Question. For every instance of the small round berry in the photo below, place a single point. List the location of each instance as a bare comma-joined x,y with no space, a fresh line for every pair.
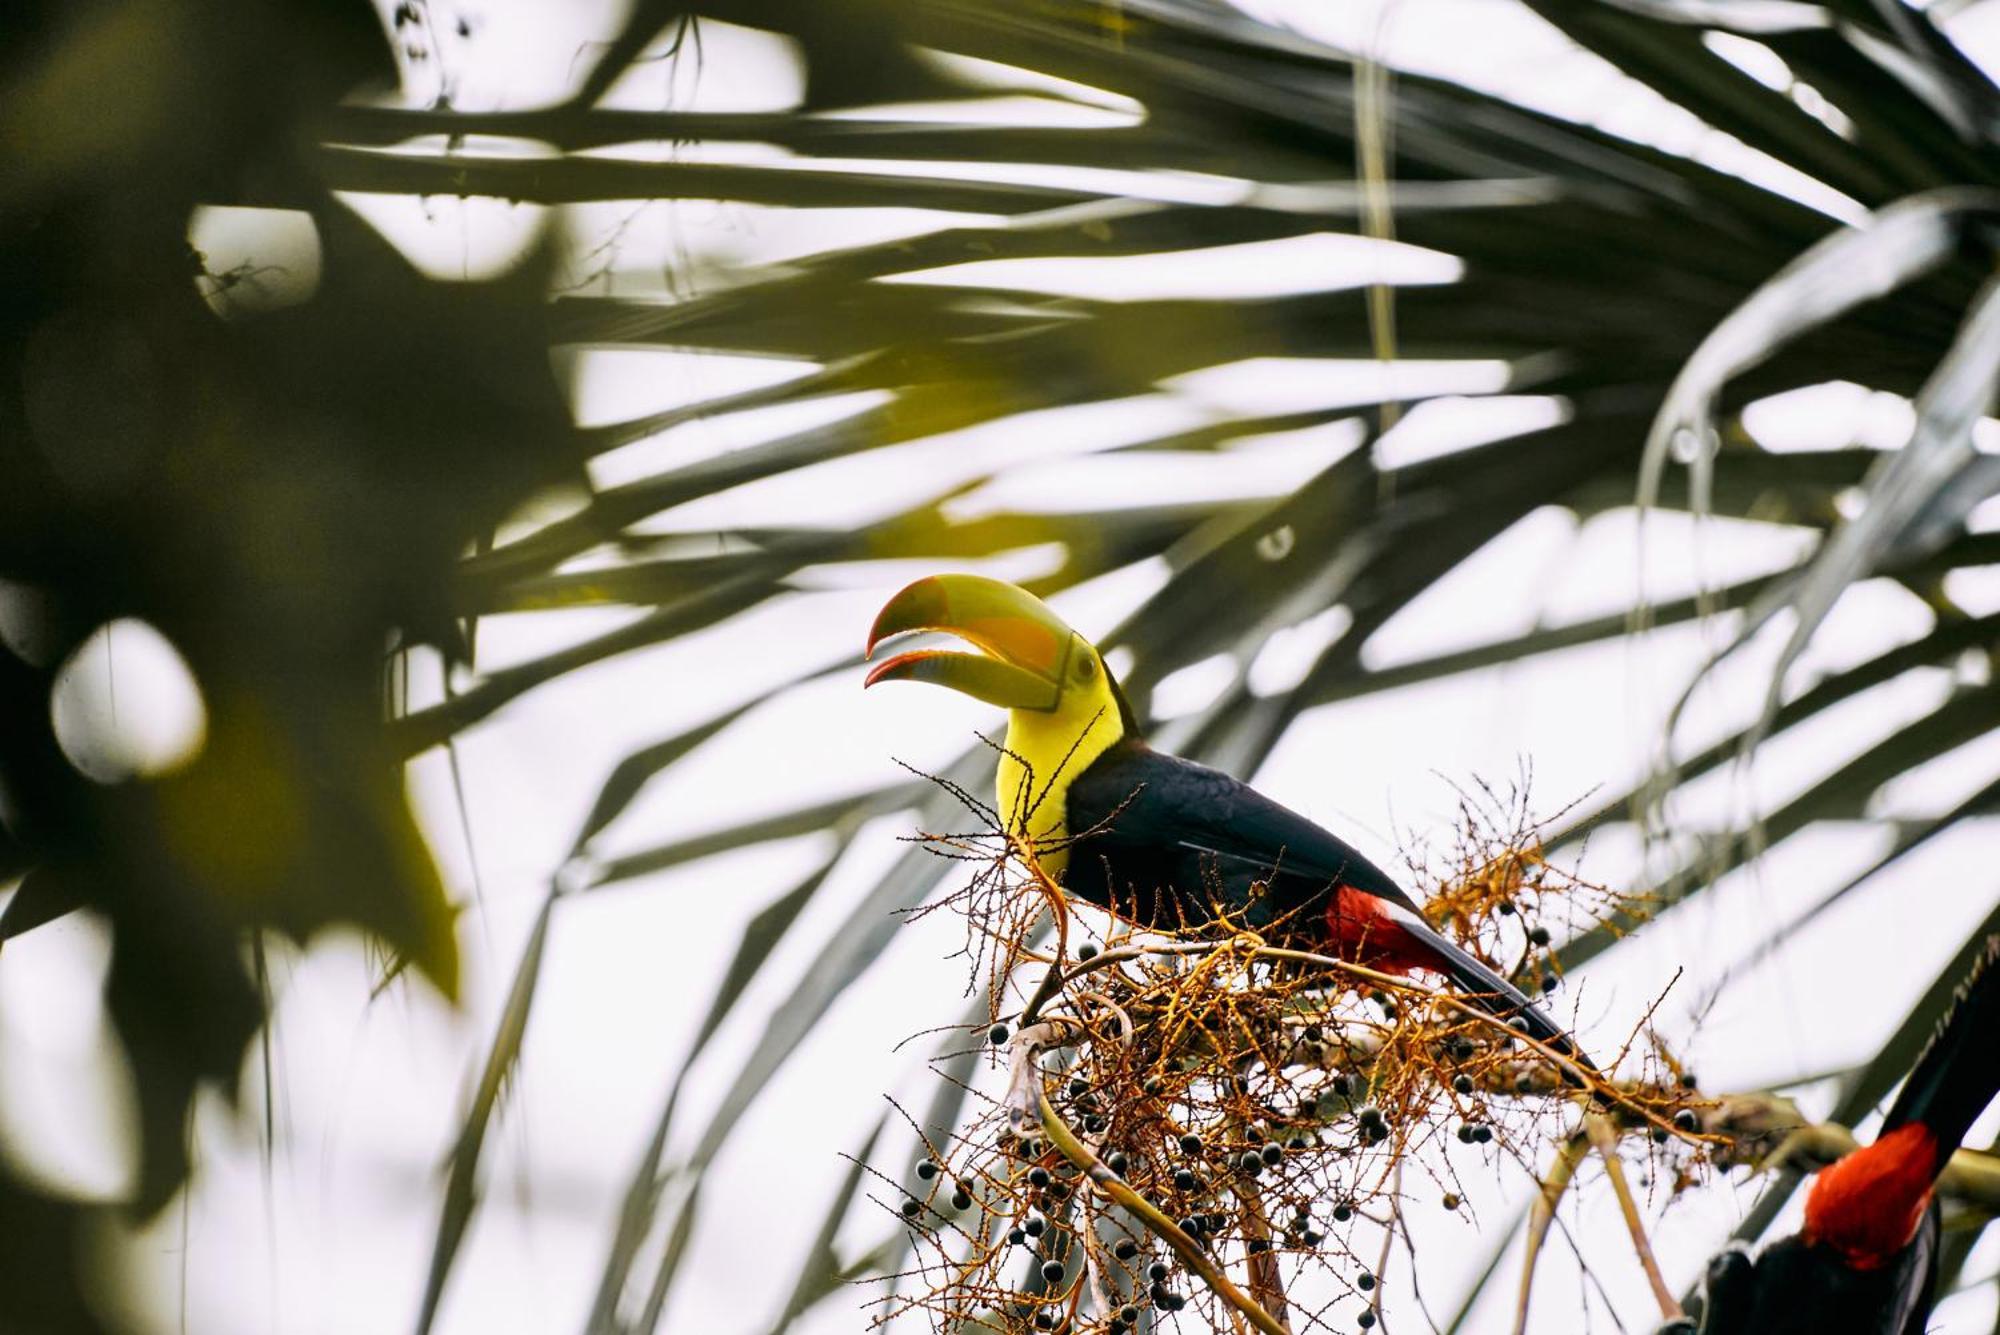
1270,1153
1016,1238
1158,1271
1128,1315
1078,1088
912,1208
1126,1249
960,1201
1257,1246
1506,907
1366,1320
1038,1176
1045,1321
1551,981
1192,1225
1370,1116
1686,1120
1052,1271
1117,1162
1462,1083
926,1169
1687,1080
997,1035
1312,1238
1465,1133
1312,1033
1095,1124
1086,951
1152,1085
1364,1281
1035,1226
1539,935
1297,1143
1450,1201
1343,1212
1184,1180
1482,1133
1660,1135
1190,1143
1251,1162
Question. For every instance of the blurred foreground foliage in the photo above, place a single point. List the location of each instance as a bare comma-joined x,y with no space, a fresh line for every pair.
283,498
293,498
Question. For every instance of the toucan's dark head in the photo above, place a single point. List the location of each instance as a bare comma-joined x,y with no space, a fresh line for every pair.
1030,659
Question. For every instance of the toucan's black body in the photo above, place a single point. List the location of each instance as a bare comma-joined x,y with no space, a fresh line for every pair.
1865,1262
1796,1288
1169,843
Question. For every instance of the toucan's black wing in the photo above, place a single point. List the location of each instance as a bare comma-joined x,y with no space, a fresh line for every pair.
1142,820
1169,843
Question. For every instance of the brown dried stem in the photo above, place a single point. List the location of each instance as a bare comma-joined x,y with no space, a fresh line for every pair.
1605,1138
1543,1217
1769,1132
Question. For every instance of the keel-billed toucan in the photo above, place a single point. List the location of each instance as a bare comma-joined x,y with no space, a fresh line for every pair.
1159,841
1865,1261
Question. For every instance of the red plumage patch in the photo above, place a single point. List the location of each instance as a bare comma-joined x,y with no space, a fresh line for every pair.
1867,1206
1361,931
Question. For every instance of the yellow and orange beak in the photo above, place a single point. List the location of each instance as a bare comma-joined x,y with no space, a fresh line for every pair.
1026,646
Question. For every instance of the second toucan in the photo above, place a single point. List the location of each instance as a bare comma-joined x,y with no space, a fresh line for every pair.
1865,1262
1159,841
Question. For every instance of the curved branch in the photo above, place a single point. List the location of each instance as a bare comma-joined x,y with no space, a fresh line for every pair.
1158,1224
1769,1133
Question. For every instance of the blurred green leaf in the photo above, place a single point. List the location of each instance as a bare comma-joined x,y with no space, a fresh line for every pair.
761,936
502,1057
46,1240
823,1272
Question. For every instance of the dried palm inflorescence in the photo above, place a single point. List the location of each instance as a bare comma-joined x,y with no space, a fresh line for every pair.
1214,1125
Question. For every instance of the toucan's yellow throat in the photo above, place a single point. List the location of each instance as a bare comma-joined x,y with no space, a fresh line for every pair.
1064,709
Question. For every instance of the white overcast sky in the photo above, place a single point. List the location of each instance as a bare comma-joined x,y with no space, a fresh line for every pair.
370,1096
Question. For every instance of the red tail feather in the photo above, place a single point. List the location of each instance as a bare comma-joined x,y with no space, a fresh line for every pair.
1363,932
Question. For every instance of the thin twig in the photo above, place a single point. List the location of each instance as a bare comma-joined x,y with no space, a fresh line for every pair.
1542,1217
1388,1242
1267,1279
1605,1138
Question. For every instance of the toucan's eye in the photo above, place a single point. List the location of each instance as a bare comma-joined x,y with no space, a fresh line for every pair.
1086,665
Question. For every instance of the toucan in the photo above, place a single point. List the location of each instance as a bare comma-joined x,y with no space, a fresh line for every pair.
1162,842
1865,1260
